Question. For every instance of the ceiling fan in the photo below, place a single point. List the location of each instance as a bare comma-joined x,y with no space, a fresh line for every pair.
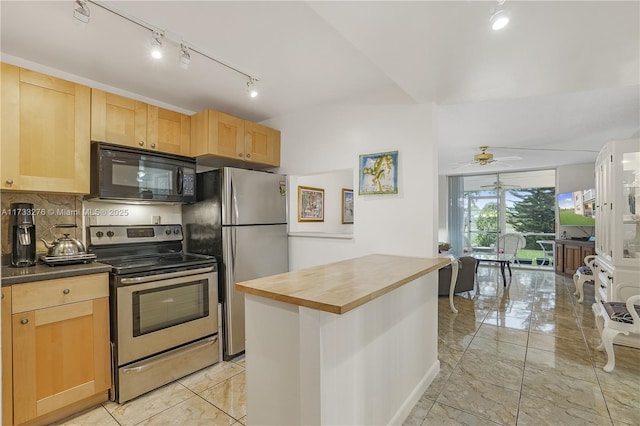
497,185
485,158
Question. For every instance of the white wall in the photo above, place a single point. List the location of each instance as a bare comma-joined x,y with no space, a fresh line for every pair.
332,183
573,178
443,203
325,139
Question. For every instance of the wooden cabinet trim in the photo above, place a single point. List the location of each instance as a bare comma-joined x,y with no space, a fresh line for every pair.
47,81
61,313
7,358
54,402
24,360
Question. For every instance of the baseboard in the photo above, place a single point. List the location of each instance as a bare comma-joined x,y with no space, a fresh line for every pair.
413,398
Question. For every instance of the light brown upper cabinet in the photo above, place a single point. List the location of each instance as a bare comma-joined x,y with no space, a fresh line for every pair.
168,131
45,133
118,120
218,135
261,144
123,121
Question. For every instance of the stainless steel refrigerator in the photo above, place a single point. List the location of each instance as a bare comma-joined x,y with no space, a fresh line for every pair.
240,218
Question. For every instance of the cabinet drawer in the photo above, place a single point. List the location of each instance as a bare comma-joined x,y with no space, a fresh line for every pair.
44,294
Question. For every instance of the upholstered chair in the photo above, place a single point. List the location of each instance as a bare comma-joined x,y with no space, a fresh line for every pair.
466,276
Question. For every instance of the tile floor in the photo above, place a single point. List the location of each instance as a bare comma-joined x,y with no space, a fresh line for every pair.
522,355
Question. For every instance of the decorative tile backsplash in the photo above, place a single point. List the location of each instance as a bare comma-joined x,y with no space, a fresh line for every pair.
51,209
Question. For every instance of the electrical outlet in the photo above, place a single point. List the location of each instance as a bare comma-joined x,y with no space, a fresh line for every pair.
155,220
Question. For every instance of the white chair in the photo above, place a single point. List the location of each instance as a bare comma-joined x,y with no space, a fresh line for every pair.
619,317
585,273
510,244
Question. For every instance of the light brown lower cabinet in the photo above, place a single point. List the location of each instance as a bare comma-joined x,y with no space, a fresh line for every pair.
60,347
7,374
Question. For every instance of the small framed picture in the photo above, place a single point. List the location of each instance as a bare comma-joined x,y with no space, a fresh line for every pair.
310,204
379,173
347,205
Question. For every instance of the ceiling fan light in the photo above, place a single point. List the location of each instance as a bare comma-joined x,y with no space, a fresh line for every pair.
499,18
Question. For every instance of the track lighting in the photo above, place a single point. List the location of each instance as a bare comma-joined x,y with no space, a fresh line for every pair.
81,11
185,56
499,18
159,36
156,45
251,88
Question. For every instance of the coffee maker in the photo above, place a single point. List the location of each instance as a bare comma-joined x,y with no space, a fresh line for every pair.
23,235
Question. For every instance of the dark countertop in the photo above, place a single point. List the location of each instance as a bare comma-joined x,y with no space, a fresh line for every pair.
40,271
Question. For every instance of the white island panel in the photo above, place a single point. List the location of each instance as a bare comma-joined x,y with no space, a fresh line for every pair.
368,366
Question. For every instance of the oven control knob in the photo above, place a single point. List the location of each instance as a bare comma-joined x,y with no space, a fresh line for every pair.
99,234
176,231
110,234
168,231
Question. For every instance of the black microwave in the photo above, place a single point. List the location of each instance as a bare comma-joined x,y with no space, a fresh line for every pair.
120,173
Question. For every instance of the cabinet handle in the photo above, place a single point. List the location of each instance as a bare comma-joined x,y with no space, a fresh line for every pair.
9,181
153,145
248,155
66,291
24,321
239,154
3,295
141,143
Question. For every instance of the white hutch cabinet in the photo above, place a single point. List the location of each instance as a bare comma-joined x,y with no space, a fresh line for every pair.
617,222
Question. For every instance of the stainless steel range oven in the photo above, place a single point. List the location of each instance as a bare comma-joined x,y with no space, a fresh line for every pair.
163,306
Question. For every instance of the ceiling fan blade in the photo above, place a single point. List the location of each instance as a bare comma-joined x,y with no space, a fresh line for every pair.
511,158
517,148
463,164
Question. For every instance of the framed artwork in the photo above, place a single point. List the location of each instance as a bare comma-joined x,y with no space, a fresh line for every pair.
310,204
379,173
347,205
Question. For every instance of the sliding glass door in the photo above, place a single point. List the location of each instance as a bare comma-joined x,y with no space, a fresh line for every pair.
496,204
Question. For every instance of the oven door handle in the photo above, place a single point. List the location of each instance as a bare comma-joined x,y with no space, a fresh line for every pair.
145,279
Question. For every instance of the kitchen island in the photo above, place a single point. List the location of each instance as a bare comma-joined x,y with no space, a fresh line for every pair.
352,342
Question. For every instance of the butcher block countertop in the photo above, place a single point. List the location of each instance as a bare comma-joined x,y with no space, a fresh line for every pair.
342,286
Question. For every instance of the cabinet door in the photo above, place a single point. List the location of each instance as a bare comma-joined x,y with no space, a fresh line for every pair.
572,260
118,120
228,135
586,251
61,356
262,144
7,363
559,258
168,131
45,133
216,133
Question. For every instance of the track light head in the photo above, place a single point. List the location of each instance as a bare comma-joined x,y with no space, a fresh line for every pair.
251,88
156,45
499,18
81,11
185,56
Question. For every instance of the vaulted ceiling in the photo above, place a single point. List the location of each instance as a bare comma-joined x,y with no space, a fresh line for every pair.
557,83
